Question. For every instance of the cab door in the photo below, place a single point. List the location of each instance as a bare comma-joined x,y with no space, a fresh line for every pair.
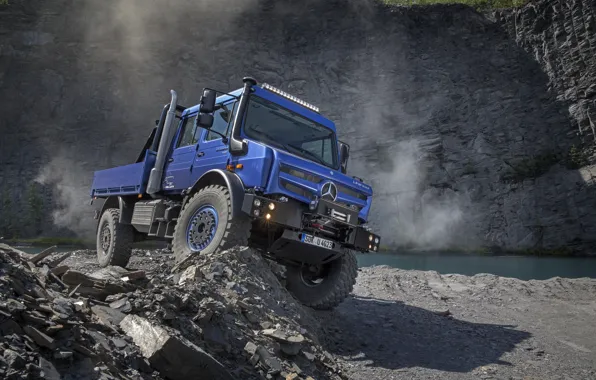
212,153
179,164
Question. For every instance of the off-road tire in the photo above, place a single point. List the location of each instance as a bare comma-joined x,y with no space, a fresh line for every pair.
335,288
229,233
121,238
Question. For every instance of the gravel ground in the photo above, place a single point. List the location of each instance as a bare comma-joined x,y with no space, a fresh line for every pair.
421,325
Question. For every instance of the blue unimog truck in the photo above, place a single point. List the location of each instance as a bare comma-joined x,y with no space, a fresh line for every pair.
256,167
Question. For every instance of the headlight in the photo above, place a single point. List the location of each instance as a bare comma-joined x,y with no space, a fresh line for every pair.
257,202
376,240
271,206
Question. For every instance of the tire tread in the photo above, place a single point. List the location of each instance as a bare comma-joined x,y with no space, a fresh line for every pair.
122,239
341,289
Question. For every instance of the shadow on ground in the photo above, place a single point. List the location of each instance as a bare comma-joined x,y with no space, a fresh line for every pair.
392,335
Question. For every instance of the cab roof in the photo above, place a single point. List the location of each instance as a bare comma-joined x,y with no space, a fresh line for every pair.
274,97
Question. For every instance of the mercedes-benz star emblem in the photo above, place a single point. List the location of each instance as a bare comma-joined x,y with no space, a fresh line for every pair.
329,191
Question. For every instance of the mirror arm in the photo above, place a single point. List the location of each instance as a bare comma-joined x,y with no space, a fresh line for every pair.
224,138
223,93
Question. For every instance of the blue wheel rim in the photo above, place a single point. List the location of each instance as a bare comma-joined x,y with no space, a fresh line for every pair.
202,227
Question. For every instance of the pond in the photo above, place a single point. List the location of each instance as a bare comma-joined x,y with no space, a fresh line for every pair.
522,267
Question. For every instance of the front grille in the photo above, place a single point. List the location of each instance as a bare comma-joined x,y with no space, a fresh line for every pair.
313,178
300,174
350,192
295,189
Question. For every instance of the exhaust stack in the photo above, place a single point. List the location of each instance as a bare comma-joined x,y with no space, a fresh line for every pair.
155,178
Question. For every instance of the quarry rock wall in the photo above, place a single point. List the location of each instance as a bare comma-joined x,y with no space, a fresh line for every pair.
474,129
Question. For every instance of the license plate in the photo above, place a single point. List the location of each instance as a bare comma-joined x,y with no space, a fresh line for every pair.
315,240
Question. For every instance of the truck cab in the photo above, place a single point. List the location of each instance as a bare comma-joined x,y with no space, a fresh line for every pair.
256,167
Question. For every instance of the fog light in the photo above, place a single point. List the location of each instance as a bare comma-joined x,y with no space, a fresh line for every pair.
370,238
257,202
268,216
271,206
369,246
376,240
256,212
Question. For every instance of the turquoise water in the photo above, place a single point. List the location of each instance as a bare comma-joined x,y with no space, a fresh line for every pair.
522,267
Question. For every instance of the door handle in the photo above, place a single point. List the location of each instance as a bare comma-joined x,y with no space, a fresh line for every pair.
221,149
200,154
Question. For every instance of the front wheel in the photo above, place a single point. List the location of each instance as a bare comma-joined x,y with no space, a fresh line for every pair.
205,224
323,287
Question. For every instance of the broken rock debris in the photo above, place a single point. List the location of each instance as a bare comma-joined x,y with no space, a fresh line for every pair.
226,316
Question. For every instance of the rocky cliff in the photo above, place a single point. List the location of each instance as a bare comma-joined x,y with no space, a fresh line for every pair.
561,36
472,128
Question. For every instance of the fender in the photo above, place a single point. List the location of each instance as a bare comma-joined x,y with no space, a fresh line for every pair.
224,178
124,204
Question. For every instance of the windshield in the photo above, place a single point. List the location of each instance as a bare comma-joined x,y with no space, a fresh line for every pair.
282,128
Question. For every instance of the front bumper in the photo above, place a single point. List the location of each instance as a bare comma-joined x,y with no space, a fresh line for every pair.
291,214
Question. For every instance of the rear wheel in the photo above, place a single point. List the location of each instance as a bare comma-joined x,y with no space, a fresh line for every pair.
205,224
114,240
326,286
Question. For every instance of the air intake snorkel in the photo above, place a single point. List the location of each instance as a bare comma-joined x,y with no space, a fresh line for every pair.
238,146
154,183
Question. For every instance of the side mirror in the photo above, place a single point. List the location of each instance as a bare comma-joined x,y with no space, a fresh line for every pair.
344,154
205,120
208,101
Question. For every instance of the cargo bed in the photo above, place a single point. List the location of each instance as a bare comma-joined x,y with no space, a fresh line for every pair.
123,180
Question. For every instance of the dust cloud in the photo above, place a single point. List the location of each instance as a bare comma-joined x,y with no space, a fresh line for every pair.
71,196
406,211
396,153
421,216
119,36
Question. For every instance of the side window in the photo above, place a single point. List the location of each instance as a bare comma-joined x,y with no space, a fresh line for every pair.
222,121
188,134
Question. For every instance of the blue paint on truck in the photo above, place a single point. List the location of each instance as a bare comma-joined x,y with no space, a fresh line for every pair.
262,162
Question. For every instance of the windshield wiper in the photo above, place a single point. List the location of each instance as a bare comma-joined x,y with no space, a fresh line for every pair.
308,153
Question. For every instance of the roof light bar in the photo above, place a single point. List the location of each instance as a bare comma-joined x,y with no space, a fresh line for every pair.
290,97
